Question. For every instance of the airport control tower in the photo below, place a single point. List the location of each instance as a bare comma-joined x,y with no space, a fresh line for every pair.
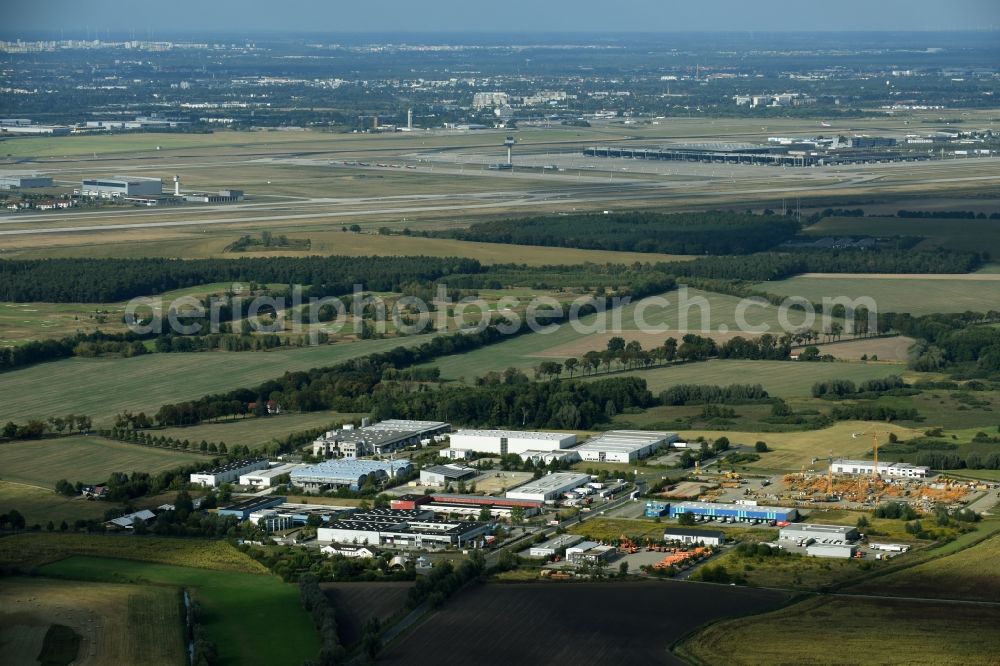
509,142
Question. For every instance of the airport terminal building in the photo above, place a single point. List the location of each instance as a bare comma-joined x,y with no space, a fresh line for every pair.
118,187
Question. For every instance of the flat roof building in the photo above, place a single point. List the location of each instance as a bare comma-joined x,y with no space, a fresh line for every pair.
352,552
442,475
589,551
550,547
818,532
487,500
688,536
474,510
300,513
545,457
270,520
51,130
349,472
396,531
504,442
116,187
899,470
733,512
228,473
23,181
265,478
242,510
128,521
844,550
624,446
222,196
548,487
452,453
380,438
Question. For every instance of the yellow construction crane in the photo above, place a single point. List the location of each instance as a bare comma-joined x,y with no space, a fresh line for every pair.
875,474
829,476
875,445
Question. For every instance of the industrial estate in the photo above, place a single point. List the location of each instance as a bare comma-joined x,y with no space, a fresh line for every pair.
435,348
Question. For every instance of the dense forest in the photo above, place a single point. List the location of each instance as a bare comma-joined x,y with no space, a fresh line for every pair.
712,232
109,280
964,342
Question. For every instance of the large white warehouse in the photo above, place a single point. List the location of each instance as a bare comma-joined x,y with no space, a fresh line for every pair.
625,446
265,478
549,487
503,442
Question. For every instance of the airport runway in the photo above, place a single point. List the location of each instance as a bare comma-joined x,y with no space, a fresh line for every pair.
692,182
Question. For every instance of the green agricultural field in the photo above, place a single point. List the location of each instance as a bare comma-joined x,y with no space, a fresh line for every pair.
650,322
23,322
39,506
965,235
973,573
791,451
256,432
951,410
55,622
844,630
784,379
211,242
252,619
916,294
103,387
30,549
611,529
83,458
982,474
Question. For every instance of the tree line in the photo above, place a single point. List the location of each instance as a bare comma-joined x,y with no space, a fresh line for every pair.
764,267
844,388
351,386
324,617
631,355
710,232
36,428
73,280
700,394
79,344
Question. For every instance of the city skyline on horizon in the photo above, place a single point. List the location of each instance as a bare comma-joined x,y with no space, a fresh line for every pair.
560,16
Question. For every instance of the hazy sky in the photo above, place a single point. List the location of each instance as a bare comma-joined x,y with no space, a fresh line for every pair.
498,15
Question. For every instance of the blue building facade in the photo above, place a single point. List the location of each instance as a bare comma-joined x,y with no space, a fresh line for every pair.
741,512
656,509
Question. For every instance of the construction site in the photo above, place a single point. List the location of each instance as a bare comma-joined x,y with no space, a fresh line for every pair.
857,483
832,482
